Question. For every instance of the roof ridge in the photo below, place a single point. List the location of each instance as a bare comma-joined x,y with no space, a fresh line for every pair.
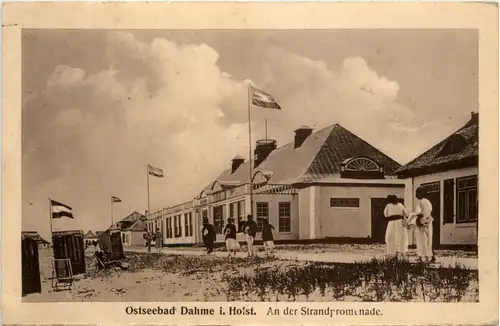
319,150
367,143
469,123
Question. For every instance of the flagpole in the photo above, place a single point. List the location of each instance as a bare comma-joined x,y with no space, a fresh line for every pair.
50,218
266,129
112,211
250,148
149,205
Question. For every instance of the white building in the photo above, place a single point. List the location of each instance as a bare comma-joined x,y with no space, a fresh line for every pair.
329,184
450,172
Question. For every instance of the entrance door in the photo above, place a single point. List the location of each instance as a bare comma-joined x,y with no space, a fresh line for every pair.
434,196
379,222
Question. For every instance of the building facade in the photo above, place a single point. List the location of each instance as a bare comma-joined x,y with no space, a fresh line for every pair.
449,171
324,184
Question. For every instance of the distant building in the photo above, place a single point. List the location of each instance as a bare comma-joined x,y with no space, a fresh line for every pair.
42,243
134,235
132,228
89,238
324,184
449,170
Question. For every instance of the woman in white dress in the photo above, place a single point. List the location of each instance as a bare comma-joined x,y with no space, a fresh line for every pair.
422,218
396,234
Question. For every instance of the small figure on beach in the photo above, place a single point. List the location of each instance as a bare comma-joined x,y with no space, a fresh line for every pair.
268,237
148,238
396,234
230,231
208,235
158,240
250,231
422,220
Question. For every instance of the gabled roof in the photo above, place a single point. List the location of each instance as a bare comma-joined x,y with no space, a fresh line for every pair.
89,235
318,157
435,157
137,226
35,236
134,216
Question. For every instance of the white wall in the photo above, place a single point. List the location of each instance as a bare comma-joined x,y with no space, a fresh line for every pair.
348,222
450,233
304,217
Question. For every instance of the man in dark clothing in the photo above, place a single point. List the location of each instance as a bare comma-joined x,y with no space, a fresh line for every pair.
209,236
268,237
232,244
251,231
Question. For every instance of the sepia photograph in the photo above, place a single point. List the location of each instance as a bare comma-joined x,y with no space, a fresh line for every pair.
255,165
250,163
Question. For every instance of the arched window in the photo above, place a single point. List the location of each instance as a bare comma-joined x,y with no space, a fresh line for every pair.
361,167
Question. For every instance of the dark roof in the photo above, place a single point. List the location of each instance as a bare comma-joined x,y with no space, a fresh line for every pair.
318,157
89,235
137,226
436,157
35,236
341,145
132,217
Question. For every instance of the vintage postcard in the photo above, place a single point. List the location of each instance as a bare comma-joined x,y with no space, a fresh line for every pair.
250,163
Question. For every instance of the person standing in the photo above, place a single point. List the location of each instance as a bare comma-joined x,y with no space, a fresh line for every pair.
396,234
148,240
423,221
251,231
268,236
158,240
230,231
209,236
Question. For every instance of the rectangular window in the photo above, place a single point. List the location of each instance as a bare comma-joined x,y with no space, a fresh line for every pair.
190,224
217,210
186,225
467,208
241,214
344,202
168,227
285,217
448,201
175,226
262,213
179,224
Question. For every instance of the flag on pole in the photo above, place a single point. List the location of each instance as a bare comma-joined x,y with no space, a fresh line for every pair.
115,199
156,172
262,99
60,210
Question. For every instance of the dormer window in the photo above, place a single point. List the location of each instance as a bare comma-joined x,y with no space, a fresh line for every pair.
453,145
361,168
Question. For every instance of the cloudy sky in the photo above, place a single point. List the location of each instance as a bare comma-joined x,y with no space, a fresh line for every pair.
100,105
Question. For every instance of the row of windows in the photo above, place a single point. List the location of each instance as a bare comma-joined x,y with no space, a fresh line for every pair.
172,226
262,212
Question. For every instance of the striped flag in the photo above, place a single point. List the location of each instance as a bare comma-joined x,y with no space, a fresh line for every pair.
115,199
262,99
156,172
60,210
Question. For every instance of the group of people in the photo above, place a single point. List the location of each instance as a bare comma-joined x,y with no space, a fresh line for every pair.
396,236
156,237
232,245
400,221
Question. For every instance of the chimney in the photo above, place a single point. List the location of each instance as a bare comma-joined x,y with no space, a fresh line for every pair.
474,116
236,162
262,150
301,135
